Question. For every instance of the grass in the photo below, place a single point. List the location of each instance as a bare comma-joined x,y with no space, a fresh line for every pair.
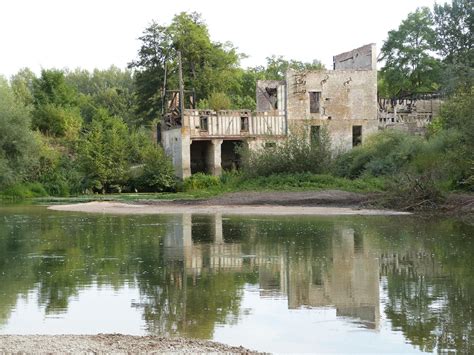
202,186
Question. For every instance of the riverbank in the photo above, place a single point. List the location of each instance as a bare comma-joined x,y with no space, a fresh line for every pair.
323,203
111,343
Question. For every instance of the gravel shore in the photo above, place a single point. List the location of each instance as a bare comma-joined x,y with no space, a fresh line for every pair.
111,343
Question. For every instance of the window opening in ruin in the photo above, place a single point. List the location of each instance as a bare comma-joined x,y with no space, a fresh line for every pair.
356,135
244,124
272,97
203,123
315,134
269,145
314,98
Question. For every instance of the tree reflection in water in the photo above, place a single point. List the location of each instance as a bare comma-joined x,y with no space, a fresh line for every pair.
191,270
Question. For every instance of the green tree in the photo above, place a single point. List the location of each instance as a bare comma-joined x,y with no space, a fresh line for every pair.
410,66
112,89
207,66
103,153
22,85
454,35
55,105
17,142
277,66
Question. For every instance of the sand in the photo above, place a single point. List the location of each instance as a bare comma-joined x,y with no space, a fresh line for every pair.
178,208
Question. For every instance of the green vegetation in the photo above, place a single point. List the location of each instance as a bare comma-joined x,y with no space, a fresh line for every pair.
68,133
431,51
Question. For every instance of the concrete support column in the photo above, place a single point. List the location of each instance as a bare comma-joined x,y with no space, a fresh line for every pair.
185,157
218,235
214,157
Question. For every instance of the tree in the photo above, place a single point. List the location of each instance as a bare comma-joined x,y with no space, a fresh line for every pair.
277,66
17,142
111,88
454,36
55,105
22,86
410,66
103,153
207,66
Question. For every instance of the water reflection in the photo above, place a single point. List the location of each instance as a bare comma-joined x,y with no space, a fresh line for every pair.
189,274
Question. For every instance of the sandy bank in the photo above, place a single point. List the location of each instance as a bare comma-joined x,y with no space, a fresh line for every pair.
110,343
176,208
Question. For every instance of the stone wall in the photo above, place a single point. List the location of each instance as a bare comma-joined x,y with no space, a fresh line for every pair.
362,58
347,98
176,145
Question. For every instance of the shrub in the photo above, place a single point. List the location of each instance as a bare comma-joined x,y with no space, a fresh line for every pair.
156,173
297,154
27,190
201,181
217,101
382,154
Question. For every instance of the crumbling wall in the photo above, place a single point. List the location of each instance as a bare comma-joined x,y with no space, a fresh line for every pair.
176,145
234,123
270,95
362,58
412,115
347,98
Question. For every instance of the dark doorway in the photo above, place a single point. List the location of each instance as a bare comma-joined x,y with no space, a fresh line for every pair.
200,157
356,135
230,155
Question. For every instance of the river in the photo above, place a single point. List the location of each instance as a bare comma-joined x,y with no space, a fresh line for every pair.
278,284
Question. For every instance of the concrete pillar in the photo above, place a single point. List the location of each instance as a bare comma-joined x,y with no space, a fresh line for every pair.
186,157
214,157
218,235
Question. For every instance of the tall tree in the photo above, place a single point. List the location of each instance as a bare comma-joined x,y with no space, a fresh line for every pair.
207,66
17,142
55,105
410,66
454,30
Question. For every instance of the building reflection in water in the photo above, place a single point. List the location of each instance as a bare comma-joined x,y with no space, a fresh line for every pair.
346,277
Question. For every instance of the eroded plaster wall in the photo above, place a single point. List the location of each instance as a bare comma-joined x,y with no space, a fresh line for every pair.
362,58
347,98
176,145
270,95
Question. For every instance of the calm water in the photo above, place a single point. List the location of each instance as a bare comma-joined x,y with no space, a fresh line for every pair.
279,284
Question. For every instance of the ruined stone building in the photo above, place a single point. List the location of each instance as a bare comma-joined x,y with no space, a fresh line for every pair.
411,114
343,101
346,280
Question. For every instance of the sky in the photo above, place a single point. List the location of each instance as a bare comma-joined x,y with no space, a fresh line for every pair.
99,33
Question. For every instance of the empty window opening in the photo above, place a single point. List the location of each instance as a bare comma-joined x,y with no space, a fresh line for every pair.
203,123
314,101
272,95
315,134
356,135
244,124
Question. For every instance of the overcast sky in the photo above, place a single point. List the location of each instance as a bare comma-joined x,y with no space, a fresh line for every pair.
98,33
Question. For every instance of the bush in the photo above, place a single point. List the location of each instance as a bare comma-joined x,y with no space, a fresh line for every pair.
382,154
297,154
156,174
217,101
414,191
201,181
27,190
